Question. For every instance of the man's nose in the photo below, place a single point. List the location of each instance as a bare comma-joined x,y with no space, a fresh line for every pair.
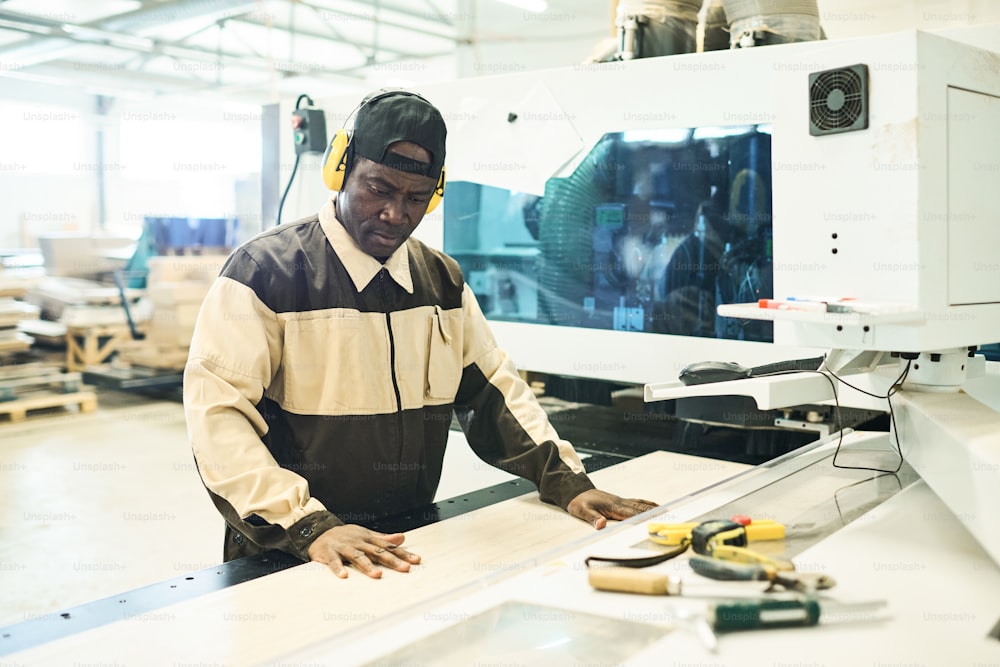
393,212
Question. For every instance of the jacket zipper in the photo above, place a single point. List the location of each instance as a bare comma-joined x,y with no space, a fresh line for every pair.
392,362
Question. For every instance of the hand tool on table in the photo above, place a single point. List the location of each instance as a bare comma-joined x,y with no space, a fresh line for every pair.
774,612
721,570
787,610
733,612
630,580
673,534
726,612
727,540
716,538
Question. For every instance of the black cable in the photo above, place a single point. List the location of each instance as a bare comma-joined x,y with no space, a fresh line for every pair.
295,168
120,284
840,423
291,178
893,388
642,561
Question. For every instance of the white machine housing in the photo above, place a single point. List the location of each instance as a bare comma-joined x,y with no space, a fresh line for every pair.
904,216
912,200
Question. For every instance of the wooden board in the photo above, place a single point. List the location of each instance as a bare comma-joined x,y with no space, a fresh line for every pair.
19,342
266,618
152,355
14,385
45,332
13,311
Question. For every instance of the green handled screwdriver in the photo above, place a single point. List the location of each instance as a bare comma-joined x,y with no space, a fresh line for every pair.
771,611
782,611
768,612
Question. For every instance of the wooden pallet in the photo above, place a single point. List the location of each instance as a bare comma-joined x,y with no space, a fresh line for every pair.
93,345
18,410
14,384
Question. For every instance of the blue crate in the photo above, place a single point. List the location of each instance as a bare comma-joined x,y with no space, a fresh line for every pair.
178,234
216,232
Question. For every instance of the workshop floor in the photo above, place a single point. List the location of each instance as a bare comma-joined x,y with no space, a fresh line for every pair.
100,503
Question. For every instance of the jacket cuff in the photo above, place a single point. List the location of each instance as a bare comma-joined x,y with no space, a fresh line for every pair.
304,532
565,488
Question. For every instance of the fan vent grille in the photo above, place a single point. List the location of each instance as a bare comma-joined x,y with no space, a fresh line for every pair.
838,100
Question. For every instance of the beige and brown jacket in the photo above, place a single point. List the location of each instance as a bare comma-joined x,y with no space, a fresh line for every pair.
320,387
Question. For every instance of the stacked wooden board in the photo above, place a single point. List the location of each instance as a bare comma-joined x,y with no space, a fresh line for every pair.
175,288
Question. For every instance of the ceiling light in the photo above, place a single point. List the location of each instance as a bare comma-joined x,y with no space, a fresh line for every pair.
536,6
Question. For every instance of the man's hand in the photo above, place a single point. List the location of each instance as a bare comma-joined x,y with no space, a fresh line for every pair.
596,507
363,548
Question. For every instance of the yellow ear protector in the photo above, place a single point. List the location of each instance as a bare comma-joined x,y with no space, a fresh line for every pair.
335,159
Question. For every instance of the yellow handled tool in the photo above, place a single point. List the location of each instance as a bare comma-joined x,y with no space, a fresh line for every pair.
727,540
631,580
672,534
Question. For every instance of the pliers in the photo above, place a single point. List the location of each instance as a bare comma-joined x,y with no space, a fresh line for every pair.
792,580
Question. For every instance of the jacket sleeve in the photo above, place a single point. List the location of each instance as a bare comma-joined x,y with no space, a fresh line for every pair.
502,420
235,352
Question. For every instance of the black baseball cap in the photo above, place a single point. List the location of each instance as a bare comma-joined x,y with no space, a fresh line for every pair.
390,116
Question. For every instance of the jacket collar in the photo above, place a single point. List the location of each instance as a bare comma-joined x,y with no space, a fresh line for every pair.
361,266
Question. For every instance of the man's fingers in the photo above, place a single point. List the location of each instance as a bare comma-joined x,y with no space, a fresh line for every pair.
629,508
364,549
395,539
591,516
391,545
391,556
363,562
337,566
596,507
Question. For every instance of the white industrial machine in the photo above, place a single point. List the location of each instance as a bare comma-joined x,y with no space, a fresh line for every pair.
864,175
863,171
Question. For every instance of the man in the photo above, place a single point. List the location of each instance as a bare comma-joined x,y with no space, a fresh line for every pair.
328,358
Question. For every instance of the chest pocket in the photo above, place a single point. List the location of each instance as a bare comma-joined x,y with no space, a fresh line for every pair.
336,363
444,355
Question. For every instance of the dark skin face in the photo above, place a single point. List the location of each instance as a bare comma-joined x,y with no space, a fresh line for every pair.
381,206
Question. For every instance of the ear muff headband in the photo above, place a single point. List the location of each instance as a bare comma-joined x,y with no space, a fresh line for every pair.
335,158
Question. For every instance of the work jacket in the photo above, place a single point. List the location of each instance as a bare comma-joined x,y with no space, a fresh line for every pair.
320,386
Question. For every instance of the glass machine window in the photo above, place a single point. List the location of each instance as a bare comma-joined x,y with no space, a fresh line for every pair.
649,233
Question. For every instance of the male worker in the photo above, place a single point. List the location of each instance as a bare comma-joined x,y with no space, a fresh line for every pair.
330,353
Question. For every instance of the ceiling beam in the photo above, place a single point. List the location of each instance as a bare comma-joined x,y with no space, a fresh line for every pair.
56,41
379,15
146,45
257,22
59,45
